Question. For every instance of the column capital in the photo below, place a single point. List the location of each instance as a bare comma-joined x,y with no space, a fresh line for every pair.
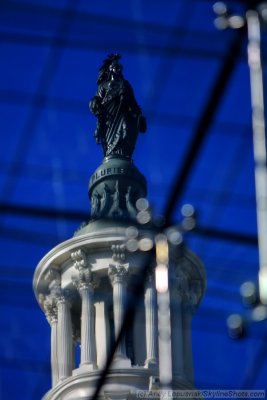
64,296
86,280
118,273
53,276
49,304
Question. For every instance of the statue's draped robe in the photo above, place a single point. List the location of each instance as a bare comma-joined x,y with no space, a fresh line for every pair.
119,117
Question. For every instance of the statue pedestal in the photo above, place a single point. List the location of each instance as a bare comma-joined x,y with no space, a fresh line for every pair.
114,189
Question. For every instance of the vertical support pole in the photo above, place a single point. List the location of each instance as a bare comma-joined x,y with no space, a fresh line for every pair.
165,352
164,317
259,142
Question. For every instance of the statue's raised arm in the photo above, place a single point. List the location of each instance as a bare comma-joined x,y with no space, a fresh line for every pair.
119,116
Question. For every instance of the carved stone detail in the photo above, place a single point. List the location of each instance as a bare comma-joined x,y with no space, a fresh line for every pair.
118,251
86,278
189,289
79,258
54,279
119,270
114,189
116,202
66,296
95,205
49,304
118,273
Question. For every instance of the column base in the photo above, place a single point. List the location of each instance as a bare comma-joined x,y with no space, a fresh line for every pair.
60,380
121,362
151,364
90,367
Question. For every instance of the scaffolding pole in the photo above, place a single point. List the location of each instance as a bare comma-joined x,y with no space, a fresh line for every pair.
259,142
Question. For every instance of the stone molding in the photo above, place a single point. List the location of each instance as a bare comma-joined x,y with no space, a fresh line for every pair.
131,378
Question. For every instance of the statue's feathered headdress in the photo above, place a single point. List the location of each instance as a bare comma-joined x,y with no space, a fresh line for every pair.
104,69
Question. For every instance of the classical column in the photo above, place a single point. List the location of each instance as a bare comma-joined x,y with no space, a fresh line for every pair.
151,322
54,349
86,283
102,333
50,309
88,346
118,275
64,335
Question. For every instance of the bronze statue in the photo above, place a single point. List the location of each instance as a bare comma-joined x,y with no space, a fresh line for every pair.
119,116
